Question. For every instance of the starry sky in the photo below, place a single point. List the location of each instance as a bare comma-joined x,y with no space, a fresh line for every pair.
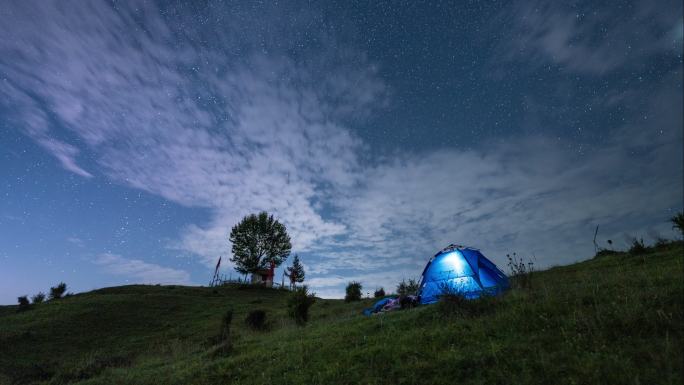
135,134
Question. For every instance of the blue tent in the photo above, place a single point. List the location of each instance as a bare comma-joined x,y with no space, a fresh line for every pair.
462,270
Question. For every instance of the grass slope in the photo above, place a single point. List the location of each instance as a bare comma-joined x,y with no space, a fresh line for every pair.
615,319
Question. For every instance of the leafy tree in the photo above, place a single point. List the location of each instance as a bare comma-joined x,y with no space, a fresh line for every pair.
407,288
258,240
56,292
353,292
295,272
379,293
38,298
23,303
678,222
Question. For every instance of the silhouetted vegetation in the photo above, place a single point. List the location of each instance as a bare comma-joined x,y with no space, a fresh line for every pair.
258,241
379,293
295,272
256,319
521,271
637,247
225,344
678,222
407,288
56,292
23,303
38,298
353,292
299,303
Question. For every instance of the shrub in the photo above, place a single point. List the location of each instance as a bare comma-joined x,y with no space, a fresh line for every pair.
379,293
521,271
299,303
353,292
407,288
225,344
637,247
661,243
56,292
23,303
256,319
38,298
605,252
678,222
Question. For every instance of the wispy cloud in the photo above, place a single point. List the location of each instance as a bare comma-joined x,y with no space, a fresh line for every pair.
590,39
139,271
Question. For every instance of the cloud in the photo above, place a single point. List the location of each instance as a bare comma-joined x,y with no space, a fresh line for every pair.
590,39
140,271
224,118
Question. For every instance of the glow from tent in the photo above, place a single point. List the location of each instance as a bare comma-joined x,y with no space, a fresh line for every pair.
456,264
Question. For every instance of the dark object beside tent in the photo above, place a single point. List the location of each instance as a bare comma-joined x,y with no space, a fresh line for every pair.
460,270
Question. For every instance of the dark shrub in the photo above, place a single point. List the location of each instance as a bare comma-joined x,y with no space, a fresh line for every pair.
299,303
256,319
662,243
353,292
637,247
606,252
379,293
407,288
23,303
38,298
56,292
409,301
678,222
225,345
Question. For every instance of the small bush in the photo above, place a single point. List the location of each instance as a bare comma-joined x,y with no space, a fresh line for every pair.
353,292
256,319
38,298
56,292
662,243
407,288
606,252
299,303
379,293
678,222
637,247
23,303
225,344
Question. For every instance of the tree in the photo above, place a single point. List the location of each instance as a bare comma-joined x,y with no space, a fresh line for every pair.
407,288
353,292
379,293
56,292
38,298
23,303
678,222
259,240
295,272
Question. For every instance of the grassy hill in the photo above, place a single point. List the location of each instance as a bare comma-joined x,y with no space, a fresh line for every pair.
615,319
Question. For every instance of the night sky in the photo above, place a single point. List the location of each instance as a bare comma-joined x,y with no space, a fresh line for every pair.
134,135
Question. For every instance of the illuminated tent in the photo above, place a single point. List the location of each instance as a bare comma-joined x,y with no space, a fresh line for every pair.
460,270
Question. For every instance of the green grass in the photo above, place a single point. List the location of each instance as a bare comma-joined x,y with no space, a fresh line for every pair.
614,319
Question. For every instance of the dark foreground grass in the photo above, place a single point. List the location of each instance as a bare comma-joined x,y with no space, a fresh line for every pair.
616,319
